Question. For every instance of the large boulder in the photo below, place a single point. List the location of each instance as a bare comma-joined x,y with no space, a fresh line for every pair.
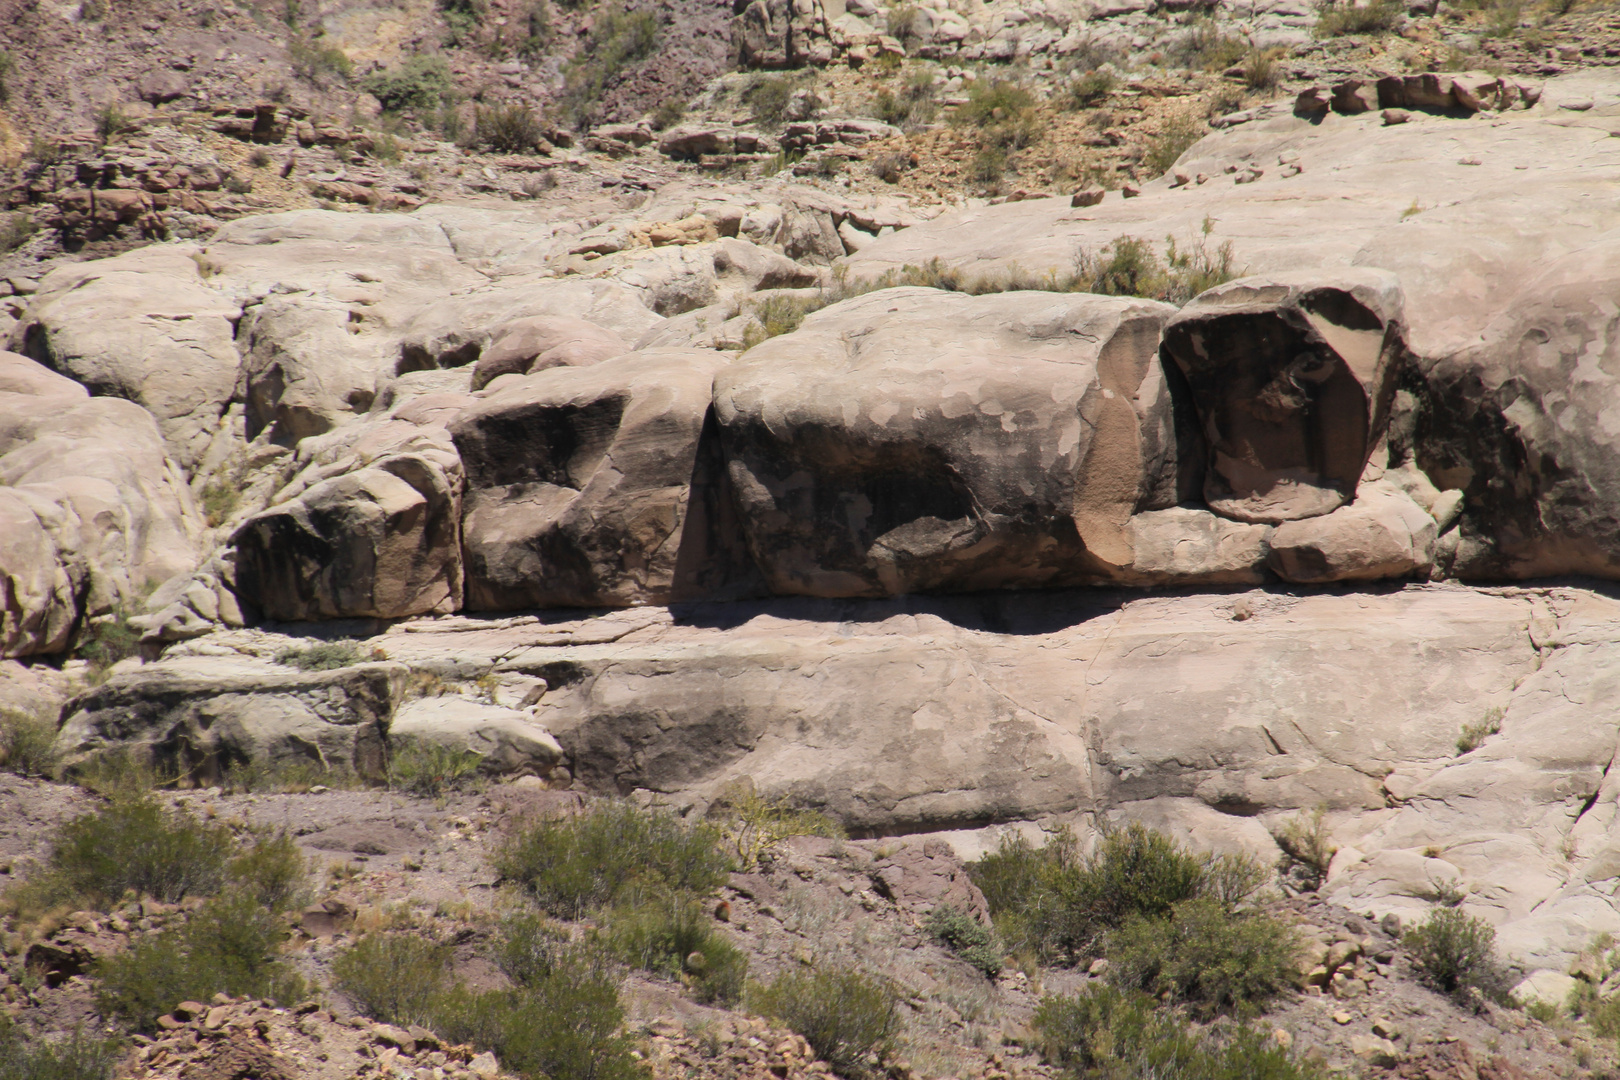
913,439
579,480
1383,534
198,718
1292,377
545,341
508,741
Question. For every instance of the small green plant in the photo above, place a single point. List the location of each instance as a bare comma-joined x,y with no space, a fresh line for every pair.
320,63
1205,956
619,40
611,851
219,500
1473,736
753,826
393,977
508,129
988,166
229,945
421,82
966,937
1003,111
767,99
324,656
463,18
675,936
77,1057
1307,848
1091,89
421,767
845,1014
1260,68
668,114
1454,952
27,743
106,640
111,122
1411,211
1346,17
16,229
1103,1033
1173,139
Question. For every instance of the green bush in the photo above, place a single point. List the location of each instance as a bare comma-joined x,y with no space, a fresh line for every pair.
844,1014
1205,956
619,40
228,945
1049,900
15,230
1003,111
1108,1034
967,937
611,851
429,768
508,129
1348,17
319,62
274,872
1091,89
27,743
1454,952
668,113
1205,46
105,641
1307,848
752,825
8,67
676,937
324,656
1174,137
77,1057
393,977
767,98
421,82
988,166
135,845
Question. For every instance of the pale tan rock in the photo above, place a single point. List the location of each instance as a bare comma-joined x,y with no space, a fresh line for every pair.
1188,546
1382,534
545,341
509,741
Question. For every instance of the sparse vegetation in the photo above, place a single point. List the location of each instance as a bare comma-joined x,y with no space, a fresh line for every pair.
846,1015
1260,68
319,63
619,40
913,104
105,640
508,129
422,767
609,852
16,229
1454,952
967,937
8,67
421,82
676,937
1473,736
323,656
1346,17
1091,89
111,122
1204,46
1204,957
668,114
395,978
1004,113
1174,137
77,1057
753,826
767,99
1103,1033
27,743
1307,848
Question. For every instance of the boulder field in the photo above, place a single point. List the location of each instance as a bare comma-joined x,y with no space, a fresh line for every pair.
1337,532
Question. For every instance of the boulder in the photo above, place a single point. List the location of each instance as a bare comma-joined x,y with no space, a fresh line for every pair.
912,439
38,585
757,268
510,742
781,34
378,542
199,718
579,479
545,341
1186,545
1382,534
1292,377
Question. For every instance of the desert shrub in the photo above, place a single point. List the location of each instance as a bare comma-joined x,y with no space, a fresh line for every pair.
668,113
16,229
421,767
1109,1034
1050,900
8,67
322,656
393,977
105,641
135,845
1129,267
229,945
1454,952
1473,736
421,82
675,936
321,63
27,743
1003,111
1348,17
508,129
611,851
1307,848
1205,956
767,98
845,1014
966,937
463,18
988,166
753,826
1172,140
111,122
1260,69
913,103
1204,46
273,871
77,1057
1586,1000
777,315
1090,89
889,167
618,40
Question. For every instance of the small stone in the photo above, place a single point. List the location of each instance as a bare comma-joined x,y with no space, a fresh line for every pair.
216,1018
1099,967
1376,1051
1130,192
1341,1017
169,1023
1282,1038
1391,925
1385,1029
189,1010
484,1065
1395,116
1087,197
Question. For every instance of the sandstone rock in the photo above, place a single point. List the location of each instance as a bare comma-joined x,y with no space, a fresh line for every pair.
1292,377
912,439
509,741
201,718
379,542
542,342
1187,546
578,481
781,34
39,591
760,268
1382,534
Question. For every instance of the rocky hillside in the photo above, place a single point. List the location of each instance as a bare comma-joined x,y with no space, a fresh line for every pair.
956,423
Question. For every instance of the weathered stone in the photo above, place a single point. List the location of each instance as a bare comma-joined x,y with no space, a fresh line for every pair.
545,341
1292,377
509,741
912,439
1382,534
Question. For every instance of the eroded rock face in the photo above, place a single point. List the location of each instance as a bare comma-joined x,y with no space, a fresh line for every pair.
913,439
1382,534
545,341
1292,377
199,719
578,481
